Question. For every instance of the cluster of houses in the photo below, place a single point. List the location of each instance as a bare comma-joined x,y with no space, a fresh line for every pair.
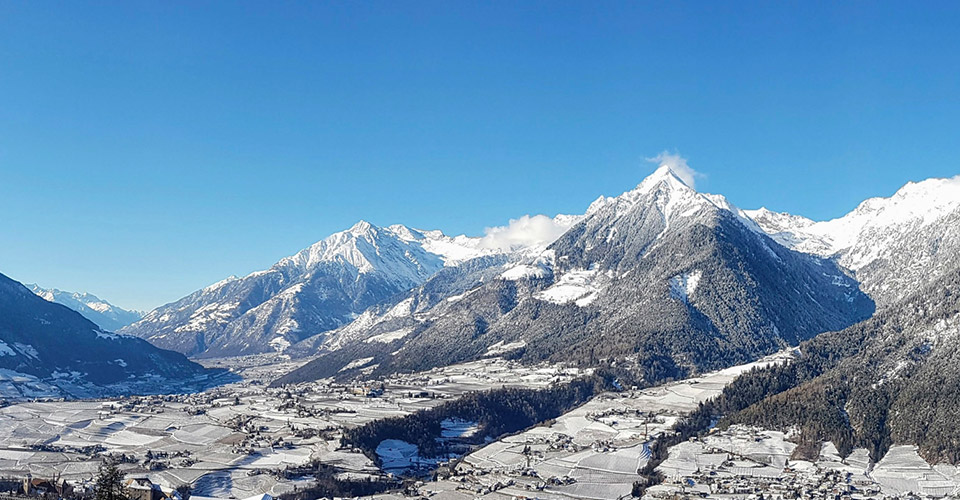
768,487
32,486
135,487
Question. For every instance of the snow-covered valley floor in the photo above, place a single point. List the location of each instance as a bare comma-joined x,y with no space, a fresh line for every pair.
233,440
595,451
236,440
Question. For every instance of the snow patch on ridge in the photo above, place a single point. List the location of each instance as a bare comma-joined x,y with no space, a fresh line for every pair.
6,350
280,344
578,286
683,286
357,363
522,271
501,348
388,337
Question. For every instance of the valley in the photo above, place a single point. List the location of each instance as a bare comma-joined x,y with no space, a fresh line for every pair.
479,250
236,440
241,440
665,344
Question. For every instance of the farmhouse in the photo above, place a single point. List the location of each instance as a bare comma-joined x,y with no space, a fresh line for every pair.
141,488
37,486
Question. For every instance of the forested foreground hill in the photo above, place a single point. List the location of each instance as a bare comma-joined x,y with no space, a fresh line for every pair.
892,379
49,350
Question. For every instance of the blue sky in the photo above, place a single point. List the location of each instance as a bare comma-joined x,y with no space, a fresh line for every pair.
150,148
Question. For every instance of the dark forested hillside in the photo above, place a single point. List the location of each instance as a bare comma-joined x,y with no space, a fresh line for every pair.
61,353
893,379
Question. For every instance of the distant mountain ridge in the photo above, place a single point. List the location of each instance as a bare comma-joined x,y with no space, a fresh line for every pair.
894,245
104,314
683,280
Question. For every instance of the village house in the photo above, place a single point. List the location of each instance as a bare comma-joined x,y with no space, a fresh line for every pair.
36,486
141,488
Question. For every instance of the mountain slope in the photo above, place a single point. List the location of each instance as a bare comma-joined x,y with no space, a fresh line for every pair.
394,319
670,277
106,315
316,290
47,349
892,379
894,245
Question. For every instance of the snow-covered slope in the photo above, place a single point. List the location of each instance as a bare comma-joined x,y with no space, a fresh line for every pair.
683,279
49,350
894,245
104,314
322,287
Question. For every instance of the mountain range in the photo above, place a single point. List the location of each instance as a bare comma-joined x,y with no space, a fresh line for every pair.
49,350
106,315
677,280
894,246
663,278
891,379
319,289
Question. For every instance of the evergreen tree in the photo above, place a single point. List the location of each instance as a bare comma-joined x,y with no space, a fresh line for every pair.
184,490
109,482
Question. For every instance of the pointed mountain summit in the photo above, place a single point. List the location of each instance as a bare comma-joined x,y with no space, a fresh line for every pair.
676,280
318,289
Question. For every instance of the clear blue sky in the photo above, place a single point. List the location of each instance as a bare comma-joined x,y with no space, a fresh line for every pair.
150,148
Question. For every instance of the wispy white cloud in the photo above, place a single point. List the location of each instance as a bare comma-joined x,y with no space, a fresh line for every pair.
526,231
678,165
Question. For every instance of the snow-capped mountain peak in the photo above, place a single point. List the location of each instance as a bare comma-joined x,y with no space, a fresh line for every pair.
368,248
923,201
662,181
663,176
672,197
315,290
661,250
361,228
916,203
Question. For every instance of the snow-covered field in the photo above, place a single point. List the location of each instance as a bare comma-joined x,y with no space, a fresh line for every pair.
591,452
594,452
235,440
232,440
743,461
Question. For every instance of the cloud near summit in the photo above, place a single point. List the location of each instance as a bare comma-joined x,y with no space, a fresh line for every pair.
678,165
526,231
